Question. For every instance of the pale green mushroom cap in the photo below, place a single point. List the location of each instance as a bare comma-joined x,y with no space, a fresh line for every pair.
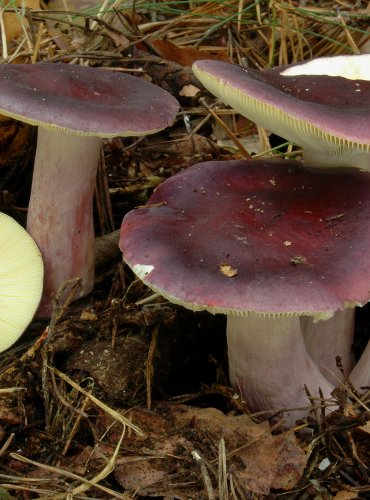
322,105
21,280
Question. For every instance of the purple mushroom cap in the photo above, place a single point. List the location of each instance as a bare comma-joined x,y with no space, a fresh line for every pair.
84,100
326,111
296,238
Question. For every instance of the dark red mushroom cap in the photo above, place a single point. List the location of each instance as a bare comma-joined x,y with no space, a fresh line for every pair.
87,101
255,236
300,102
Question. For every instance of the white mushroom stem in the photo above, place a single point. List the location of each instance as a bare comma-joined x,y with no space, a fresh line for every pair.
360,375
269,365
327,339
60,215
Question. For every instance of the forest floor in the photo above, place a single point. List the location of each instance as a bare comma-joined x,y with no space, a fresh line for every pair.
122,394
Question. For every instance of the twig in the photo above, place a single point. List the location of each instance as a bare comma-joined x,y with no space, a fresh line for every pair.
58,311
228,131
4,42
114,414
222,471
149,366
86,483
205,476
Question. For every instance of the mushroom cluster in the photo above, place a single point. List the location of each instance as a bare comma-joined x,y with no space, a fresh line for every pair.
324,106
74,108
284,254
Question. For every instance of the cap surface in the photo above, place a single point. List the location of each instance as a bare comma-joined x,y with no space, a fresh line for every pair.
21,280
354,67
315,110
84,100
255,236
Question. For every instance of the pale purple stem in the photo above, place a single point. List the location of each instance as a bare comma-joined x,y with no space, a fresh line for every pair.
269,365
360,375
327,339
60,214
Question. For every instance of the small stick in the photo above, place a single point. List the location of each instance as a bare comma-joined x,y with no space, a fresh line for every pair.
228,131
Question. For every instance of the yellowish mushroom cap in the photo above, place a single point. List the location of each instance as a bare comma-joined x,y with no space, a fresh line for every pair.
21,280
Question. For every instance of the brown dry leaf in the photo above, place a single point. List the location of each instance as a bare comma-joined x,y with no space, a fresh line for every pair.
185,56
291,462
345,495
257,456
13,21
162,462
139,472
228,271
119,39
189,91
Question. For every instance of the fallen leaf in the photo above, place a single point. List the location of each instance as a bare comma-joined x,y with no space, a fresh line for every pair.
180,439
13,21
185,56
291,461
189,91
345,495
228,271
259,458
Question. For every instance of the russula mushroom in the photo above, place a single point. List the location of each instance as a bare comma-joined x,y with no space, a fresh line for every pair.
323,105
21,277
74,107
264,242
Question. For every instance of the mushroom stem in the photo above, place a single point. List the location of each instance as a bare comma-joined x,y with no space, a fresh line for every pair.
327,339
360,375
270,365
60,215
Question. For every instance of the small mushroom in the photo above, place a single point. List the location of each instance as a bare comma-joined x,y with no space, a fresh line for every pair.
323,105
74,107
21,277
238,216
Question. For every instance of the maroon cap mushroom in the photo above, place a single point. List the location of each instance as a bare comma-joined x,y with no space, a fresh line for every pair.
323,105
74,108
264,242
